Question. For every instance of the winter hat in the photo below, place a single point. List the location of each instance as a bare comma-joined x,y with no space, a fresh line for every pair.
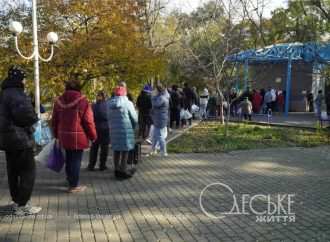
16,73
147,88
15,78
120,91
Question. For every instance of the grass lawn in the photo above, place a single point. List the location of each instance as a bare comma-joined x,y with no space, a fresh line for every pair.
209,137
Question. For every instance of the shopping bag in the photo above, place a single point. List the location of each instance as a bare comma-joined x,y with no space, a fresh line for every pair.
182,114
194,108
187,114
324,115
56,158
42,134
43,156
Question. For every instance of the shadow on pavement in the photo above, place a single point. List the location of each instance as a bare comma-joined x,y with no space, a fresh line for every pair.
6,210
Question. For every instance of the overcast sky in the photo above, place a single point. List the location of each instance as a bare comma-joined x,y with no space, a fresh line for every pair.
190,5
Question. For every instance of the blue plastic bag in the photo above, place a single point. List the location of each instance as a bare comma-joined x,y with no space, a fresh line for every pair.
42,134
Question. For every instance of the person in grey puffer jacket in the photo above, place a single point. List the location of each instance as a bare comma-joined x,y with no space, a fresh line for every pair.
160,108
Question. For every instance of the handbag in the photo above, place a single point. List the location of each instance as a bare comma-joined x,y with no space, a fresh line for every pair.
55,160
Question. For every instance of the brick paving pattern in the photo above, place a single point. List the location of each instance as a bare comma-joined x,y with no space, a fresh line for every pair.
161,202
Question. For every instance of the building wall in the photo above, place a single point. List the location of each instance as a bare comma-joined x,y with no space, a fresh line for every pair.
274,75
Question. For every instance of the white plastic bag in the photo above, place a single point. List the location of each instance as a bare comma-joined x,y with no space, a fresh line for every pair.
42,157
182,117
324,115
187,114
194,108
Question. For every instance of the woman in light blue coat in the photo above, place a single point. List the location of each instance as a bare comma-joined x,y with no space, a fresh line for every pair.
160,109
123,120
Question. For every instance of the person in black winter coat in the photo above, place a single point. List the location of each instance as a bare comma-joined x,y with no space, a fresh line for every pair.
144,105
175,106
101,119
17,117
189,98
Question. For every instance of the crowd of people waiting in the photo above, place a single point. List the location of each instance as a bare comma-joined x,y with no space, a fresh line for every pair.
115,120
76,125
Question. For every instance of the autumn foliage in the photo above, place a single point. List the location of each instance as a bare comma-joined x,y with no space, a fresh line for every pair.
101,42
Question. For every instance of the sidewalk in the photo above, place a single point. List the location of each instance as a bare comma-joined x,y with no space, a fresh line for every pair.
161,202
304,120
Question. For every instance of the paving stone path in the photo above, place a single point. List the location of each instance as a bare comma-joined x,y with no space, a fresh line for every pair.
161,203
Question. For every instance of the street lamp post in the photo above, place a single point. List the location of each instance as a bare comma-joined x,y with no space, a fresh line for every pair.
16,28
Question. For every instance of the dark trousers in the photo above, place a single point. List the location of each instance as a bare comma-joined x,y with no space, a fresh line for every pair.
72,166
269,106
144,125
94,153
247,117
120,159
175,117
21,171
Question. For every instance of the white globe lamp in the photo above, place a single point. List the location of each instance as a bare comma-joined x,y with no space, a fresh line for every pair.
15,27
52,38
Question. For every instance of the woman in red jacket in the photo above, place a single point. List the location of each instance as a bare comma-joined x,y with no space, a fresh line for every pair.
256,101
73,125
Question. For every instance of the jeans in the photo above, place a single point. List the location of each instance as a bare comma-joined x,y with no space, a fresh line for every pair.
94,152
21,171
159,137
202,111
72,166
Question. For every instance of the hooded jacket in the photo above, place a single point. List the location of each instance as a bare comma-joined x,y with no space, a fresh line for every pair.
73,121
17,116
123,119
160,108
101,118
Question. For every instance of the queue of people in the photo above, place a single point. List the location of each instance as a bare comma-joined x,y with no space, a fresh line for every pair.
111,121
77,125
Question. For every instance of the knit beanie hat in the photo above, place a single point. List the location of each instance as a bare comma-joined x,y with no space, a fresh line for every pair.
147,88
15,78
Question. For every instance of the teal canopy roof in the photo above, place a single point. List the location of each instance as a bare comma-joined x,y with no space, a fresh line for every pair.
307,52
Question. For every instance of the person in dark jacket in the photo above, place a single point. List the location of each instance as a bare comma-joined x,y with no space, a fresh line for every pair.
144,105
189,98
175,107
123,119
73,125
160,107
212,105
17,117
101,118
